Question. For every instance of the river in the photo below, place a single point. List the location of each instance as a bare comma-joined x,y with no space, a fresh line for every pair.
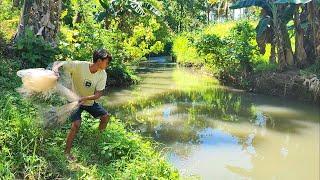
210,131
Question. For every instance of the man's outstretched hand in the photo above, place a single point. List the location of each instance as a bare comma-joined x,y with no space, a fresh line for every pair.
82,100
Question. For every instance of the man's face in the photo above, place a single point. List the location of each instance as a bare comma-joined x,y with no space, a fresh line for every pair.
103,63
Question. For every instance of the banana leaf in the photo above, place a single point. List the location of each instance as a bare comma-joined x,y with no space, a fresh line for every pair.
248,3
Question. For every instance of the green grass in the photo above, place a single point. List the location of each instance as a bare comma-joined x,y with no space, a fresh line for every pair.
185,51
219,29
312,70
29,152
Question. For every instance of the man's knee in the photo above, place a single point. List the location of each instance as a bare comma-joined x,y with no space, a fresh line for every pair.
76,125
104,118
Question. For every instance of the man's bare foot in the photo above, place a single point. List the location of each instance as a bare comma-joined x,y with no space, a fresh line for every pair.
70,157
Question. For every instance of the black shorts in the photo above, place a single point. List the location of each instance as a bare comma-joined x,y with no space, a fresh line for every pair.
96,110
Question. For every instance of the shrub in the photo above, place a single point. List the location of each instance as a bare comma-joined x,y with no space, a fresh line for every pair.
184,49
34,51
79,44
240,45
120,75
313,69
230,56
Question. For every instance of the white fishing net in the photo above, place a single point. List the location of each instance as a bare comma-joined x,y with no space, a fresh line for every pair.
43,83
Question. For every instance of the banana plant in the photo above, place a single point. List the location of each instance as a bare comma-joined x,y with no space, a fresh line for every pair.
304,21
121,8
272,29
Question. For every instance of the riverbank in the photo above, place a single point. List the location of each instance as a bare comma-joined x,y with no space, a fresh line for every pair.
288,84
237,59
27,151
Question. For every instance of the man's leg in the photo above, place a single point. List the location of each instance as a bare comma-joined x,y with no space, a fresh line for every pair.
72,134
96,110
103,122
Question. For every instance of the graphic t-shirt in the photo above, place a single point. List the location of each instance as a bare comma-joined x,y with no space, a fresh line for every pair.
85,83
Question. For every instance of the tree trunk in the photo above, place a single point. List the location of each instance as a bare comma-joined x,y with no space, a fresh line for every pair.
279,39
180,19
287,45
272,57
218,10
107,21
226,8
15,3
314,21
42,18
79,17
208,14
300,53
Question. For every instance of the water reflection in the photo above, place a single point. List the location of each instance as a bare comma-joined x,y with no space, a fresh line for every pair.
216,132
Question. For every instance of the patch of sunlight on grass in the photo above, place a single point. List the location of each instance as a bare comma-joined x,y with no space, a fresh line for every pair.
187,81
223,29
185,51
220,29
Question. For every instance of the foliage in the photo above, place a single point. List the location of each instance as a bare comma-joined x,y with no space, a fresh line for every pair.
120,75
9,19
79,43
114,8
312,70
228,56
220,29
242,38
184,49
143,40
209,44
185,15
34,51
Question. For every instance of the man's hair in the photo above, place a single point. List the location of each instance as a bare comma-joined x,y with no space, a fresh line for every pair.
101,54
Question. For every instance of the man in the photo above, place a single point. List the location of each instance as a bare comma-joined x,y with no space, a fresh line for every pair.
89,81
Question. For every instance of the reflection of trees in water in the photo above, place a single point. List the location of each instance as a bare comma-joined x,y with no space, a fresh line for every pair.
280,159
213,101
192,113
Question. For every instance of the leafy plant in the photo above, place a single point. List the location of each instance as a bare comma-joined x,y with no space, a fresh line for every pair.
34,51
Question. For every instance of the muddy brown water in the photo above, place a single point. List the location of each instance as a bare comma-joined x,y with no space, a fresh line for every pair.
210,131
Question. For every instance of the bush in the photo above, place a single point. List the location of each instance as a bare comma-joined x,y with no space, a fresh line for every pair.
312,70
9,19
34,51
240,46
209,44
79,44
120,75
184,49
230,57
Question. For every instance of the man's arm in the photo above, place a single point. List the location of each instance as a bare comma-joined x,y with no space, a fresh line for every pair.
96,96
56,65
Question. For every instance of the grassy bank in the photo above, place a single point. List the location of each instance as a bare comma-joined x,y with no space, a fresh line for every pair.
229,52
28,151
